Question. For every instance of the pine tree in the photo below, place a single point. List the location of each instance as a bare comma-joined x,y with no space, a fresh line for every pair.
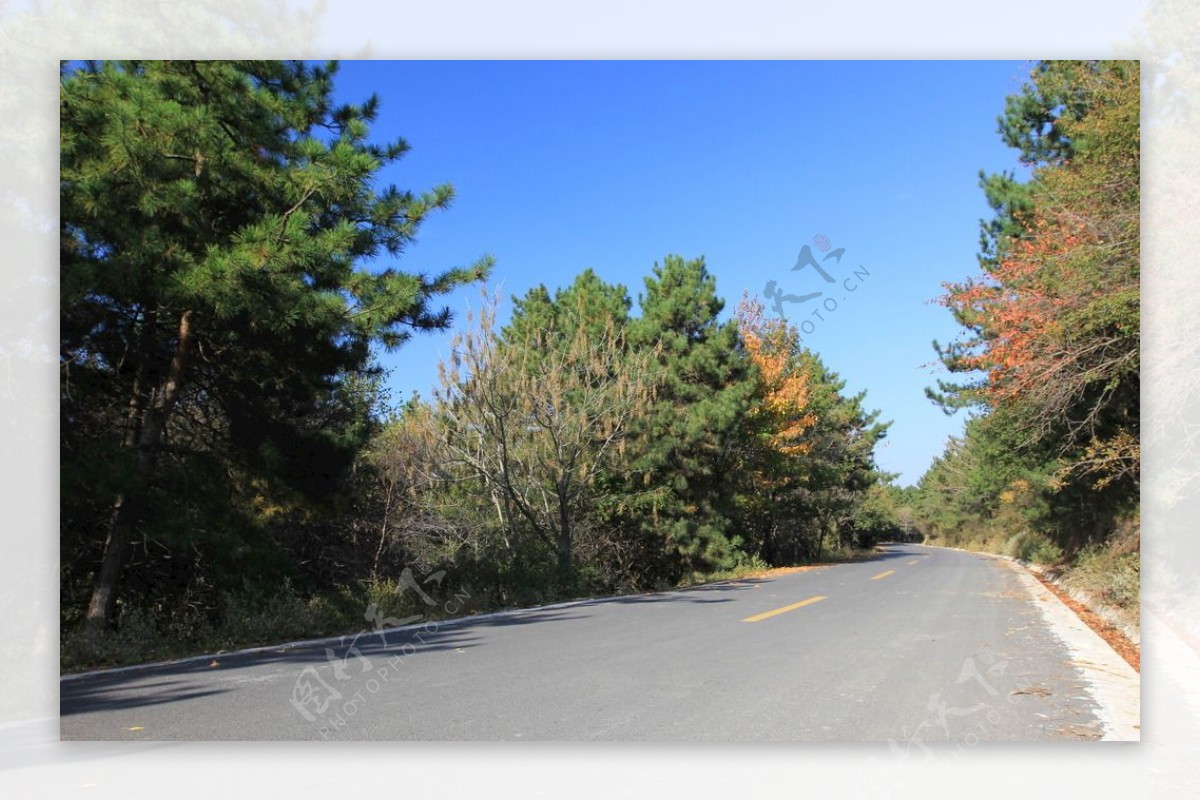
217,223
588,304
683,451
839,468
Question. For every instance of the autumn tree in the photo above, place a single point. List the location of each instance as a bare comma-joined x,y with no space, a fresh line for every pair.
1054,321
1052,343
220,227
773,438
534,421
402,468
781,410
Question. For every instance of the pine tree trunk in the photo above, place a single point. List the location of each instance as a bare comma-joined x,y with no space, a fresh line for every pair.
145,434
102,607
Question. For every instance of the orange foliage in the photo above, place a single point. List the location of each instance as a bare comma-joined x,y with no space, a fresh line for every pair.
1056,315
782,407
1023,307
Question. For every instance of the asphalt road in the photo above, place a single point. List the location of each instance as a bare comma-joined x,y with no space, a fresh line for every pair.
914,647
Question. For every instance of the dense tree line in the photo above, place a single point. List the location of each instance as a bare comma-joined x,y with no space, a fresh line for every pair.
1049,361
584,449
231,466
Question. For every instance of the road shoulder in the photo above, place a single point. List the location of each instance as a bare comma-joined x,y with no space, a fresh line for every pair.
1112,682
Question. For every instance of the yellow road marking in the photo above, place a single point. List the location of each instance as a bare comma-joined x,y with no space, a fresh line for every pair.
884,573
782,609
913,562
134,728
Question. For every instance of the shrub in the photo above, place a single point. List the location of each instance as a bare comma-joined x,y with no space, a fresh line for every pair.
1046,553
141,635
1111,573
255,616
1030,546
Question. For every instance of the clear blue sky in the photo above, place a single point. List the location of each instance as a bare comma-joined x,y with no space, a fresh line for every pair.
561,166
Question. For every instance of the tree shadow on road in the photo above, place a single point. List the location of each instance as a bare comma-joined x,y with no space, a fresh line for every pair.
165,683
103,696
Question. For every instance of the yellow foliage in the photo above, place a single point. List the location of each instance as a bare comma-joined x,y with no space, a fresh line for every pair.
784,390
